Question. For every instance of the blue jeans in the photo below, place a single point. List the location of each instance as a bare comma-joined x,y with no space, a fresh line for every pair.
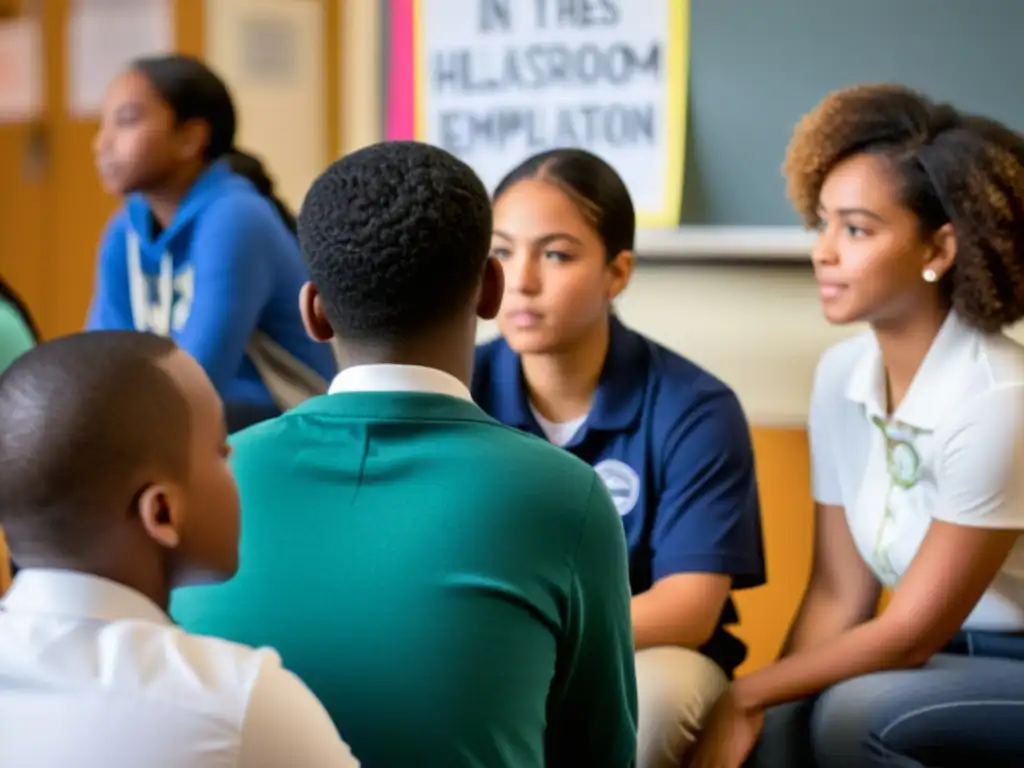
962,709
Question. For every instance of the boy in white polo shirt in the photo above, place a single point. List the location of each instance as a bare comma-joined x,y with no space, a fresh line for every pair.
114,488
917,443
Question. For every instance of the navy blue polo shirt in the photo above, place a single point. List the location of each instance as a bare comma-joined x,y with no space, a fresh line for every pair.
673,446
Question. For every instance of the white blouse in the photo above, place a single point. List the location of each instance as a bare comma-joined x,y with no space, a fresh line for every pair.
952,451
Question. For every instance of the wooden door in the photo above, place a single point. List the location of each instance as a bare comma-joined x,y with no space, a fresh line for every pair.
23,184
75,193
79,207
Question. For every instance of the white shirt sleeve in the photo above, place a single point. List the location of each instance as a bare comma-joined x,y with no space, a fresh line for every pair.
980,464
286,726
822,430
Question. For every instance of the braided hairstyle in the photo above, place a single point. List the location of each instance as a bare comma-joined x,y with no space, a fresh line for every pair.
251,167
949,166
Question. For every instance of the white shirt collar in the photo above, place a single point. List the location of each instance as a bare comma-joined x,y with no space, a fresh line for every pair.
398,378
70,594
937,385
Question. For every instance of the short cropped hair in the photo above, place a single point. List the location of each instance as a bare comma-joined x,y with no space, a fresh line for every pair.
85,422
949,167
396,236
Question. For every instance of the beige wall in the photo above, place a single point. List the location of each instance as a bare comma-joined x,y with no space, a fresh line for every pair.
286,122
282,119
757,327
359,106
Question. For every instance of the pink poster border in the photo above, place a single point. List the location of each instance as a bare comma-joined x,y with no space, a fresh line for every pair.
401,81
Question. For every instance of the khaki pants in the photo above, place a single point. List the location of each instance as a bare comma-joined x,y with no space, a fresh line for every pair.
676,688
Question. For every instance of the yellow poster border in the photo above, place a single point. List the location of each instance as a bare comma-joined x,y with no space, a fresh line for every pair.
419,89
677,80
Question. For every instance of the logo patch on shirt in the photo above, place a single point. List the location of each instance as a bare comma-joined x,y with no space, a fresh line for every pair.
622,482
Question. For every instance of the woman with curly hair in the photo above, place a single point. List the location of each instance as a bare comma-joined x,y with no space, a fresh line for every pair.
917,447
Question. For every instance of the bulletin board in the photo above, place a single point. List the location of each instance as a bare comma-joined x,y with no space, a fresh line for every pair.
495,81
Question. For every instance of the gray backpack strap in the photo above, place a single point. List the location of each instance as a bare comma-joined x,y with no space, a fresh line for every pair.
289,380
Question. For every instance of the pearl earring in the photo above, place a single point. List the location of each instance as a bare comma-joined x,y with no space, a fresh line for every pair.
929,276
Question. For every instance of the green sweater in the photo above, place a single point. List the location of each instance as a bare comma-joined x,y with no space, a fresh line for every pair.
454,591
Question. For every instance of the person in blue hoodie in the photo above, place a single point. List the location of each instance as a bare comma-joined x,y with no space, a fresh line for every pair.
197,253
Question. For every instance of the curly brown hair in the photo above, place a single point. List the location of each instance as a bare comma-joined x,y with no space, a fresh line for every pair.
949,166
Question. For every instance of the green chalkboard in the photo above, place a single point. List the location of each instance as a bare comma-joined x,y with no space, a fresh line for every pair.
757,65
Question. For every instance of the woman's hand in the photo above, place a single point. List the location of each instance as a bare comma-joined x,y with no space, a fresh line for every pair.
728,736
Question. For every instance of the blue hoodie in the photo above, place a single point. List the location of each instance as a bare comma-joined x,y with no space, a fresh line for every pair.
225,267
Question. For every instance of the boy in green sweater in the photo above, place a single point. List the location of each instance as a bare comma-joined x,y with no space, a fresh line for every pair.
454,591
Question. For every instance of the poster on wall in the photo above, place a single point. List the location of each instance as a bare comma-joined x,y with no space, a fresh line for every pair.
494,81
21,71
103,37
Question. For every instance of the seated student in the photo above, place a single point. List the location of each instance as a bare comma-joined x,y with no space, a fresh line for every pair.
455,592
917,446
669,440
197,253
18,334
114,488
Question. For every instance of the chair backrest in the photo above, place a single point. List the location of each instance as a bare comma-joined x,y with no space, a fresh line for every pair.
787,519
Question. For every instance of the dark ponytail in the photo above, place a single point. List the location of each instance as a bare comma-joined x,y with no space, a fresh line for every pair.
8,294
193,92
251,168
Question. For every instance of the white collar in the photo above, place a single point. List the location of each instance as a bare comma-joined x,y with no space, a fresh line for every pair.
44,591
937,385
398,378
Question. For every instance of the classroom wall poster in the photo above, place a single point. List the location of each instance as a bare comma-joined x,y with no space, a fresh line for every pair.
103,36
494,81
21,70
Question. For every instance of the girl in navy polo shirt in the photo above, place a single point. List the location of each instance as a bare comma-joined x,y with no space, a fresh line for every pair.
669,440
917,448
